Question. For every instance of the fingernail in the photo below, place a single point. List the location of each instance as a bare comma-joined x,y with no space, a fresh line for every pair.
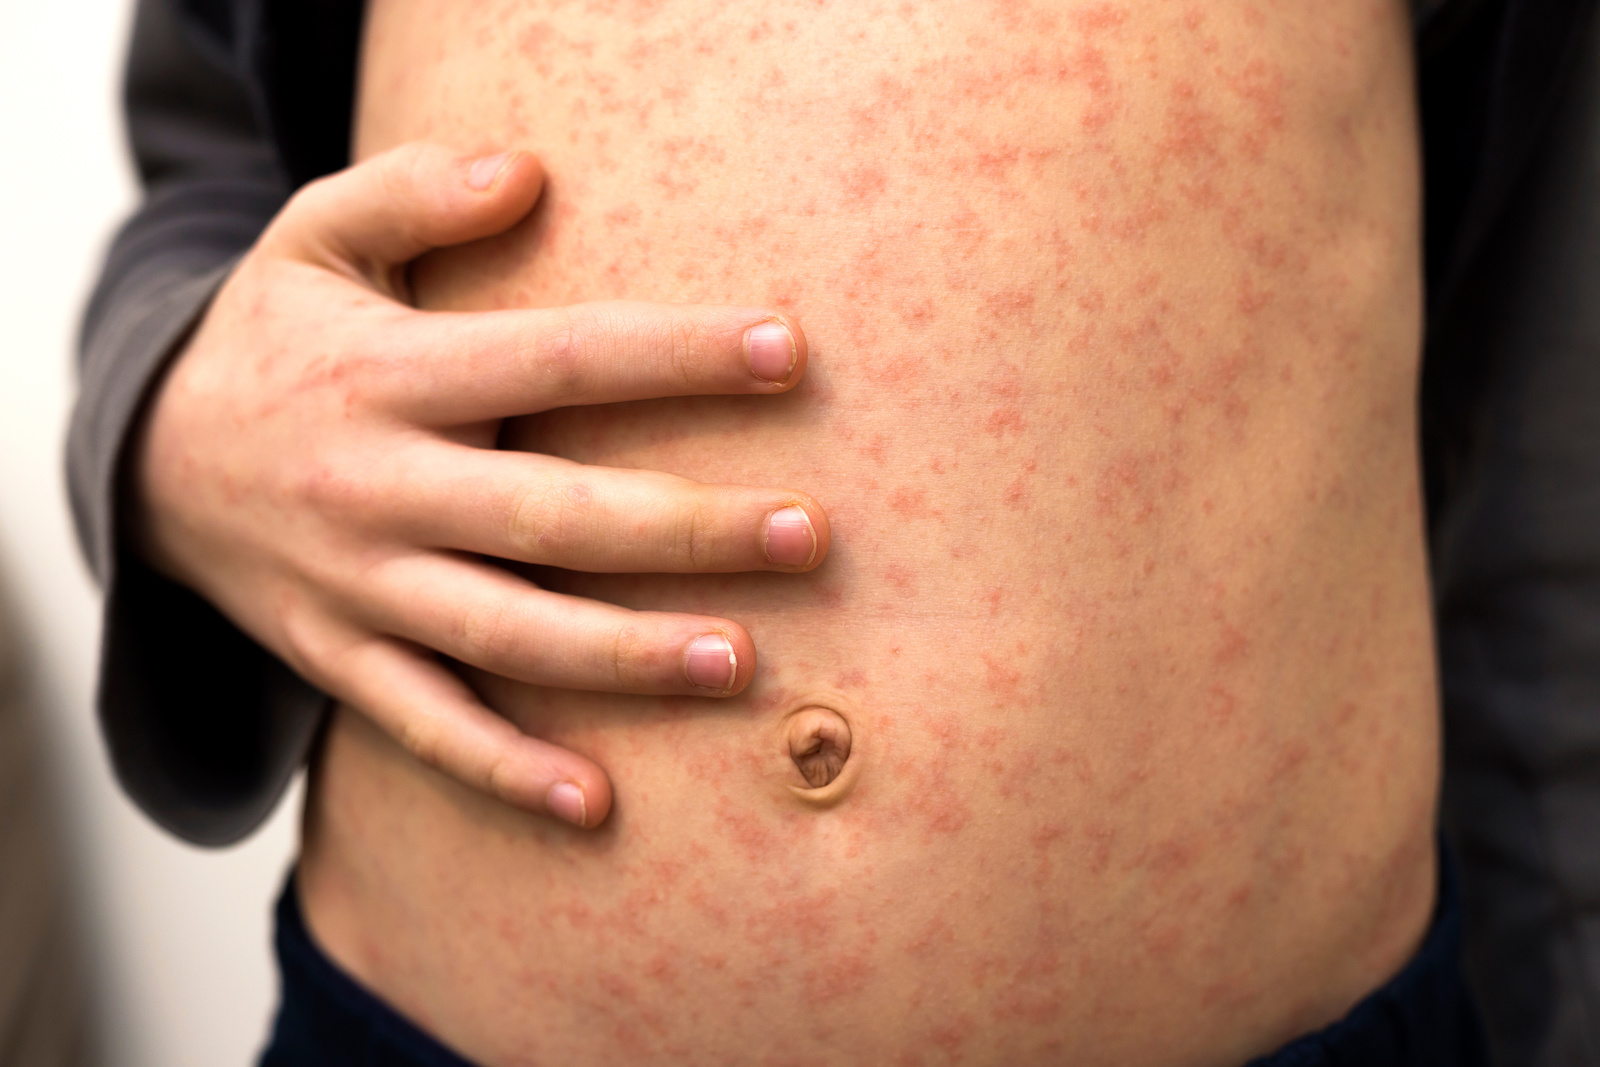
566,800
711,663
486,170
790,541
771,350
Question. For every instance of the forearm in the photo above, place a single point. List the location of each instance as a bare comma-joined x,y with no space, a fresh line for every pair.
210,183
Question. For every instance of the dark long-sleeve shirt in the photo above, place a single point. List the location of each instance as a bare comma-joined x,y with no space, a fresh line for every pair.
232,104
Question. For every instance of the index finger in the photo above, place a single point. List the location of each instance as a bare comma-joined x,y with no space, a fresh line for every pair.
461,367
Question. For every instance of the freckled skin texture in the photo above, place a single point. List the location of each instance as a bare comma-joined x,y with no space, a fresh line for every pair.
1113,319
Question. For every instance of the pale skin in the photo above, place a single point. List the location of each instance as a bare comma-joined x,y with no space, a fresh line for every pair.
1117,678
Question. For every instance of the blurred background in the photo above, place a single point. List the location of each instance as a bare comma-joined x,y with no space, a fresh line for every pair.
173,942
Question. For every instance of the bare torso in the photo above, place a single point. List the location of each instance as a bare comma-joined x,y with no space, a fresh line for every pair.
1113,325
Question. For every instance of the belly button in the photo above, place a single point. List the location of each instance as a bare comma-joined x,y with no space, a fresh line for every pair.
819,742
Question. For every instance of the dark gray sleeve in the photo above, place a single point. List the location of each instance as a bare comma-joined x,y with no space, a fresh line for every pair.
1517,562
204,728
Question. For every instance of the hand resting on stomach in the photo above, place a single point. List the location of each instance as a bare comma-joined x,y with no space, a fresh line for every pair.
1107,732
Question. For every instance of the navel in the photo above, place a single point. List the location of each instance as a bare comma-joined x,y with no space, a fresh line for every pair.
818,742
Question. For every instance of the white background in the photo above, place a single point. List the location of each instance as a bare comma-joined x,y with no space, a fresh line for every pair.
178,936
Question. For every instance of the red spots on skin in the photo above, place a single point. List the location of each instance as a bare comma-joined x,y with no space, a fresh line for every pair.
1232,643
952,1035
539,42
1162,940
901,578
1132,484
1014,775
1015,495
1099,843
909,501
842,974
785,294
864,185
1098,19
1291,756
810,922
1168,858
1193,134
925,778
1231,991
1005,419
936,935
753,836
1030,996
665,873
918,315
710,906
661,971
852,679
1009,303
1158,369
989,738
1077,761
1260,85
1250,296
1089,67
1222,703
574,913
1000,676
1137,771
968,232
995,165
771,698
1044,841
898,371
831,596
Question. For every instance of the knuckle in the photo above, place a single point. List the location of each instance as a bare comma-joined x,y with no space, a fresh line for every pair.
310,197
402,170
327,487
304,647
561,357
499,775
490,631
687,341
423,737
312,645
547,523
677,344
692,538
627,654
300,216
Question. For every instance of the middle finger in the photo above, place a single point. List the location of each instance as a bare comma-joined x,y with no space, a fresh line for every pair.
550,511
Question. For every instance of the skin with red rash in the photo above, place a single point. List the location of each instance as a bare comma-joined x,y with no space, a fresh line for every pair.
1113,322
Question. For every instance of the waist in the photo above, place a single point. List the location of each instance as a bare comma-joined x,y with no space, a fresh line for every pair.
1018,855
1426,1006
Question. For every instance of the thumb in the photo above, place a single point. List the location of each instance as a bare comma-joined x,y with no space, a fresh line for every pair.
386,211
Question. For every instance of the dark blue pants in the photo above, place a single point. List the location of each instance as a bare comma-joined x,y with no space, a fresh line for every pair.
1423,1018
